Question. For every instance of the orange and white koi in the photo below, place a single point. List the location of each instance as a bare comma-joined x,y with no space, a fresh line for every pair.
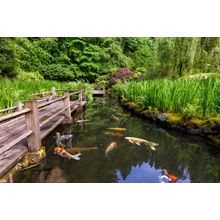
63,153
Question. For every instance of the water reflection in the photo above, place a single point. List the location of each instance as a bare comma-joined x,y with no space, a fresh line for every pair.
188,159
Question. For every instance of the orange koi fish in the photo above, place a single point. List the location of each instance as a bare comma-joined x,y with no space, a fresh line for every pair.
63,153
171,177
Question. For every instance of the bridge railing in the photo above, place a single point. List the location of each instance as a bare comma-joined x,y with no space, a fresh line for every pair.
34,124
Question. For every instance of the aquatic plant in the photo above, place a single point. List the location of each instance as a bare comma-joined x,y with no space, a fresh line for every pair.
191,97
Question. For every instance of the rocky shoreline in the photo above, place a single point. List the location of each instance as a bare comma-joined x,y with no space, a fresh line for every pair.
208,129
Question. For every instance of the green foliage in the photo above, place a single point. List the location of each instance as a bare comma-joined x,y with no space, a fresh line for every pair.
18,90
23,75
190,97
89,58
7,58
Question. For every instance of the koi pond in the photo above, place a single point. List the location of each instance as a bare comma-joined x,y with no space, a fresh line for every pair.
107,157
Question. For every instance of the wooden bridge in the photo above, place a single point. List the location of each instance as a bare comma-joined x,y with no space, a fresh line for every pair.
98,91
30,122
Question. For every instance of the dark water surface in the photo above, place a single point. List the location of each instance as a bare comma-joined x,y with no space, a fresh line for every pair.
188,159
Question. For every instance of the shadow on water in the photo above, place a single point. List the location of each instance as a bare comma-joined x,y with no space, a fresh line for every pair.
188,158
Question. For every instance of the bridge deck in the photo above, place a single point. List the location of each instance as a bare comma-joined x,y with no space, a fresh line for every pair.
14,129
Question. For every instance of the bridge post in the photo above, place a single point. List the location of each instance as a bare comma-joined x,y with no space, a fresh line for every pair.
68,118
53,92
80,100
32,122
18,106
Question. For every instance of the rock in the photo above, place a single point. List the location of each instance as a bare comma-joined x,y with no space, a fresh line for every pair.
147,114
162,117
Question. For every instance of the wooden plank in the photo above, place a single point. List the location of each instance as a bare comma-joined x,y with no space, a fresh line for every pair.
74,93
15,114
10,158
50,102
11,132
45,132
10,123
7,109
51,117
32,122
14,141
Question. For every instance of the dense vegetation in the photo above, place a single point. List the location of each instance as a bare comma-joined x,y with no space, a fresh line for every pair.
109,60
190,97
13,91
70,59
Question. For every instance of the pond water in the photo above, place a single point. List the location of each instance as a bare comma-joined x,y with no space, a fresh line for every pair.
189,159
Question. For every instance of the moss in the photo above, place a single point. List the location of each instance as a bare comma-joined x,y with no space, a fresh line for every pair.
124,101
197,121
139,110
174,118
132,105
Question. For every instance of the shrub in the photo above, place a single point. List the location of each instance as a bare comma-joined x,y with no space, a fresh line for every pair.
122,74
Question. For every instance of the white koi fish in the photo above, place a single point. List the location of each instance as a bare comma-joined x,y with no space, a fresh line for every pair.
138,141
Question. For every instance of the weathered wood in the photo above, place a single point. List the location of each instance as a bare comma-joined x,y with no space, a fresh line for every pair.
7,109
15,141
50,102
19,106
53,92
74,93
53,116
45,132
80,99
5,135
49,111
68,117
14,115
10,158
10,123
32,122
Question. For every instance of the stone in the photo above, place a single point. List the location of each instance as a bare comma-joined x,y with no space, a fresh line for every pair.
162,117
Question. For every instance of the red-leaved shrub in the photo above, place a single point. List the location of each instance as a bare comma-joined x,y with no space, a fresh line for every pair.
122,74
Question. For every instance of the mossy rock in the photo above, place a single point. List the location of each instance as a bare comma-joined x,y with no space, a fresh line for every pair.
124,101
149,114
132,105
139,111
174,118
197,121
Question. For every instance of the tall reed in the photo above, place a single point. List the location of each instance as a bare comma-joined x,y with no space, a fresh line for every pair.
12,91
190,97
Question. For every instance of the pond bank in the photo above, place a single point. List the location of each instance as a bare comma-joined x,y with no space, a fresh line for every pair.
208,129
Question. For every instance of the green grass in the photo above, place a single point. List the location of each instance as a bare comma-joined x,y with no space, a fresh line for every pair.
12,91
190,97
